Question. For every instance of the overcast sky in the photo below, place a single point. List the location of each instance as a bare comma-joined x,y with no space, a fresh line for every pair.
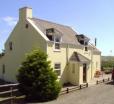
94,18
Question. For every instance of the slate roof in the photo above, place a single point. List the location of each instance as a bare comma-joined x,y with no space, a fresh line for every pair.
68,35
94,49
79,58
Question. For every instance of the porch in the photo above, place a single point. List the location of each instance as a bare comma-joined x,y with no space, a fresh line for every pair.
78,69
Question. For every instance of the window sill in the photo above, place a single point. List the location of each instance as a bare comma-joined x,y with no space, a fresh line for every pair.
57,50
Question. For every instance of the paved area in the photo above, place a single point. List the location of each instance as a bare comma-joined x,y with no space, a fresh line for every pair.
104,76
94,94
99,94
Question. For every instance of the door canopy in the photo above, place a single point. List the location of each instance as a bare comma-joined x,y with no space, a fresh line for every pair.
79,58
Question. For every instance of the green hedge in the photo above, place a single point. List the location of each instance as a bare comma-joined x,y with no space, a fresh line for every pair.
37,79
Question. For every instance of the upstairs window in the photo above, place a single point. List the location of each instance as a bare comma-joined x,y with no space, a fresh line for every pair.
10,46
26,26
82,42
57,41
50,37
86,43
57,68
86,49
49,33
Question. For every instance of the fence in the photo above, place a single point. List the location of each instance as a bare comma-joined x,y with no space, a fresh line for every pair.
8,93
70,89
103,81
9,90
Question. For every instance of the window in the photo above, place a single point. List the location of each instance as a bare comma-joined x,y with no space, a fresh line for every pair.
57,41
51,30
26,25
10,45
50,37
82,42
86,43
86,49
3,69
49,33
57,46
57,68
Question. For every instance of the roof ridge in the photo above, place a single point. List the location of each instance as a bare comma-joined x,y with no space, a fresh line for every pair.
51,22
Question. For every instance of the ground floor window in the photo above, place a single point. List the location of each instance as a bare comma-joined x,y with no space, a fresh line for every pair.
57,68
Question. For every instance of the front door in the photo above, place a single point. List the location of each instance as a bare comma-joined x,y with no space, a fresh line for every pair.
84,73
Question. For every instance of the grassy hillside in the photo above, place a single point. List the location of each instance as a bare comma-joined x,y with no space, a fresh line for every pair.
107,63
107,58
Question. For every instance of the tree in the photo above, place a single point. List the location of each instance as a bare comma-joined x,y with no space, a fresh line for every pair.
37,79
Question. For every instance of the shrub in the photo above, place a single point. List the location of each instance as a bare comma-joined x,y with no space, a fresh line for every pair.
37,79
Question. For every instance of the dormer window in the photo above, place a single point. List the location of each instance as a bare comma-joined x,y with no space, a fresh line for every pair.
57,41
55,36
10,46
50,33
83,40
86,43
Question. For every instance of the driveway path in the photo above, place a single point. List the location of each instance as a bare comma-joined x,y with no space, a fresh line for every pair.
98,94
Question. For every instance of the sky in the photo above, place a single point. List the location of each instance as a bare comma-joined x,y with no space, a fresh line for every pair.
94,18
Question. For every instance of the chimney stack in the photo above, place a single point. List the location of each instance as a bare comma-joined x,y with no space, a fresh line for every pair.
25,13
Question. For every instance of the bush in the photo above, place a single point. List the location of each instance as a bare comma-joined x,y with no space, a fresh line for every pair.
107,64
37,79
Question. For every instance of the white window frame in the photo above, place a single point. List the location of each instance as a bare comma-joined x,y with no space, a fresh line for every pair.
57,68
59,43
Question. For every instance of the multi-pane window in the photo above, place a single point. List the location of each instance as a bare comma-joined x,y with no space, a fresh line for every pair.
57,41
57,68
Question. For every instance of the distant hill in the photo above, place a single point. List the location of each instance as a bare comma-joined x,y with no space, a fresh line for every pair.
107,58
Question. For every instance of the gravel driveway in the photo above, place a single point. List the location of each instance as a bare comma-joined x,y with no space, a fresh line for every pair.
98,94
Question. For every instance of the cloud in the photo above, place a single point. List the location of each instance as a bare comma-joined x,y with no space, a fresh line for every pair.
11,21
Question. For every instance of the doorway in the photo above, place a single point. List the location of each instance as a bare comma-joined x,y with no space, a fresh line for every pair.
84,73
